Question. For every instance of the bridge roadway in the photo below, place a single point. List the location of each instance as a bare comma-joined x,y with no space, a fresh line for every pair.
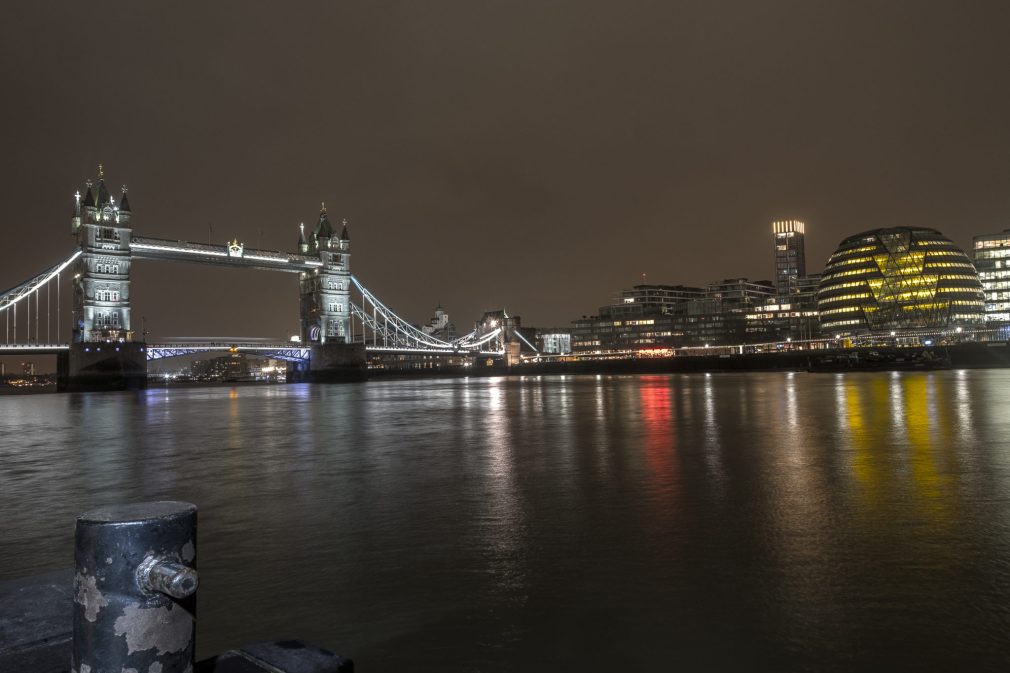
32,349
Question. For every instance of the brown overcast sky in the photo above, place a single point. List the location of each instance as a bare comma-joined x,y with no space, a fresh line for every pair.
535,155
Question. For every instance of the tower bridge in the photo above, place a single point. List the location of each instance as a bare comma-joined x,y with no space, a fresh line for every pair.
340,320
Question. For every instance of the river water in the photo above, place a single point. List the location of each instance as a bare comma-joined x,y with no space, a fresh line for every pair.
739,522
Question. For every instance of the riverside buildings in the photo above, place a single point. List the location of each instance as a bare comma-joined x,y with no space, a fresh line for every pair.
730,311
884,281
992,261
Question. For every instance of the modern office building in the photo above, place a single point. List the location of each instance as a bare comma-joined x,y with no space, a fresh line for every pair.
992,261
790,257
554,340
901,278
674,316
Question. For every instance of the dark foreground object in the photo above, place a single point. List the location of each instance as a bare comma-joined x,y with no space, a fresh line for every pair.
135,587
130,605
35,623
286,656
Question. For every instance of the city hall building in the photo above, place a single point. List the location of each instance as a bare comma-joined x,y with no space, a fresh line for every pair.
897,279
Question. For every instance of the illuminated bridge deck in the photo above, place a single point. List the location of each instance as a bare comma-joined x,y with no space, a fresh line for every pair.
144,247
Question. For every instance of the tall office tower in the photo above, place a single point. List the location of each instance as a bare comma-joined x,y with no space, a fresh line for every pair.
790,261
992,260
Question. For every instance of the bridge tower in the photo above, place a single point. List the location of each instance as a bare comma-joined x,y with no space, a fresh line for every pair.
326,305
102,273
103,353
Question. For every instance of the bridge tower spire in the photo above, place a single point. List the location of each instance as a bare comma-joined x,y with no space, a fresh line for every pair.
75,218
303,245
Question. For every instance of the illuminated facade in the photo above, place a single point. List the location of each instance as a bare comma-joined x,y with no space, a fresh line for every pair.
554,341
101,302
732,311
325,291
790,258
439,325
992,260
898,279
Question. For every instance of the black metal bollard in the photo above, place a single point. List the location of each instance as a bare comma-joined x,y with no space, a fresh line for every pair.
135,589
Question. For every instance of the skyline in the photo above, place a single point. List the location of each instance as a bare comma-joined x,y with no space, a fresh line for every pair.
575,148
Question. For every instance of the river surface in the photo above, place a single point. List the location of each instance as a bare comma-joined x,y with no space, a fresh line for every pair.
737,522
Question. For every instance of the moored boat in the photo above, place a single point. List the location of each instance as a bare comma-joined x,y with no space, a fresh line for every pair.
870,360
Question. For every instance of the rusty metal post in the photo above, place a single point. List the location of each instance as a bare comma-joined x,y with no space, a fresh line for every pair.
135,589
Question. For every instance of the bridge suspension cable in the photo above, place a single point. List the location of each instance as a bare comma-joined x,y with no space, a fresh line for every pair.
381,328
24,292
389,328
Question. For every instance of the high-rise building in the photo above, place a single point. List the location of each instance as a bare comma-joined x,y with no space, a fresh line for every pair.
992,260
790,259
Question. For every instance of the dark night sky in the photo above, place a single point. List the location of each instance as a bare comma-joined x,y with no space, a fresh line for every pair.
534,155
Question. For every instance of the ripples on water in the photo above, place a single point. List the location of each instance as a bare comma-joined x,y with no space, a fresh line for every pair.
697,522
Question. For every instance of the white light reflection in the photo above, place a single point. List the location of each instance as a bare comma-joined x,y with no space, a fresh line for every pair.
792,403
503,529
962,403
713,443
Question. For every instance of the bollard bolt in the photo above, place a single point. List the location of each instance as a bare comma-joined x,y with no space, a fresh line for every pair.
170,578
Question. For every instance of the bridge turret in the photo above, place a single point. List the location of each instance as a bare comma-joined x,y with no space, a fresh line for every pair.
323,232
303,245
88,206
75,218
345,237
124,208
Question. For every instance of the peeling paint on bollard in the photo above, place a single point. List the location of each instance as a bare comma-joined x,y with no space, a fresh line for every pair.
164,629
135,589
88,596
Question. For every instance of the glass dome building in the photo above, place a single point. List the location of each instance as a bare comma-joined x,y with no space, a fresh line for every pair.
898,279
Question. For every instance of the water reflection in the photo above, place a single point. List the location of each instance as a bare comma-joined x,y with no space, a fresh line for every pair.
814,521
657,417
899,430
